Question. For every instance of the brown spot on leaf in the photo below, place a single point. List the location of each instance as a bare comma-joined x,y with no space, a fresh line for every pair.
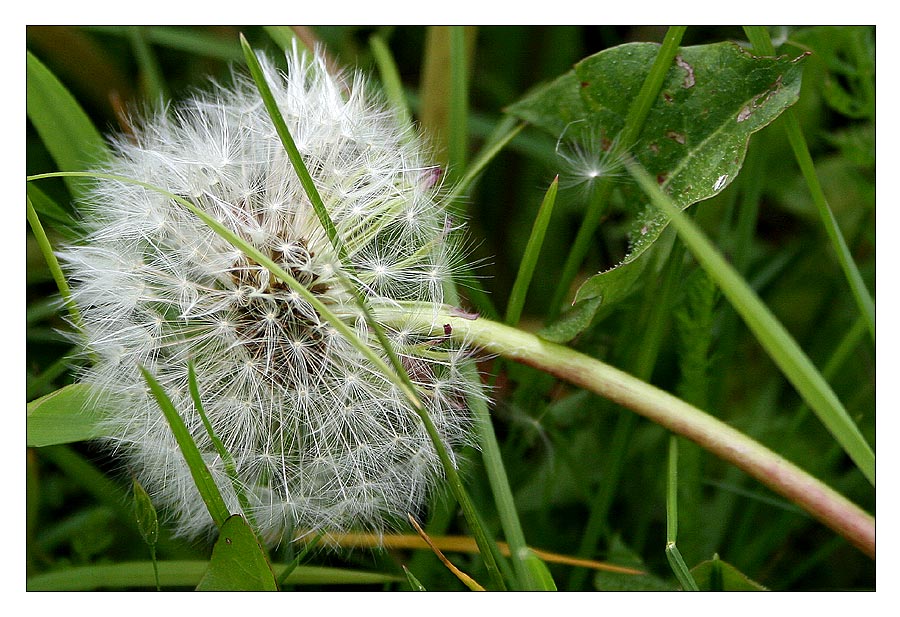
661,178
667,97
676,136
689,80
585,84
760,99
654,147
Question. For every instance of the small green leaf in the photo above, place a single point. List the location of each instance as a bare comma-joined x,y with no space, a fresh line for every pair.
145,513
238,561
64,127
72,413
541,579
718,575
413,581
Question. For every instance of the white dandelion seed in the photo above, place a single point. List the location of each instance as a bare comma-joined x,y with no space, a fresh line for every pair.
321,441
587,155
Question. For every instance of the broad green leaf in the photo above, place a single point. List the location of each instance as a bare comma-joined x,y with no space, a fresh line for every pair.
183,574
238,561
718,575
72,413
64,127
694,138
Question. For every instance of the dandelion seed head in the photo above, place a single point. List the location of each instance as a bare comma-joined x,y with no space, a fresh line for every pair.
321,441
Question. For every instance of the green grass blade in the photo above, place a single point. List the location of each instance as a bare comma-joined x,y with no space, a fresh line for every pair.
206,485
223,453
759,37
72,413
195,41
154,83
291,148
774,338
52,263
458,112
634,122
62,124
530,258
390,79
184,574
673,555
398,374
682,572
672,493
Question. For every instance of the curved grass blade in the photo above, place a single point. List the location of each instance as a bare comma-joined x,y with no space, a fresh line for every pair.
413,581
676,562
774,338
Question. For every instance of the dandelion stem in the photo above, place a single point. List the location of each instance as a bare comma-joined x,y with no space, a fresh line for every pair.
729,444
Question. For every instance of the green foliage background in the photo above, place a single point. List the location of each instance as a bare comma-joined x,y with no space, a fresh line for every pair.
589,478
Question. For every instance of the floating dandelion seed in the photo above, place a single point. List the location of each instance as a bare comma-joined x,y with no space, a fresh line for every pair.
587,154
320,439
